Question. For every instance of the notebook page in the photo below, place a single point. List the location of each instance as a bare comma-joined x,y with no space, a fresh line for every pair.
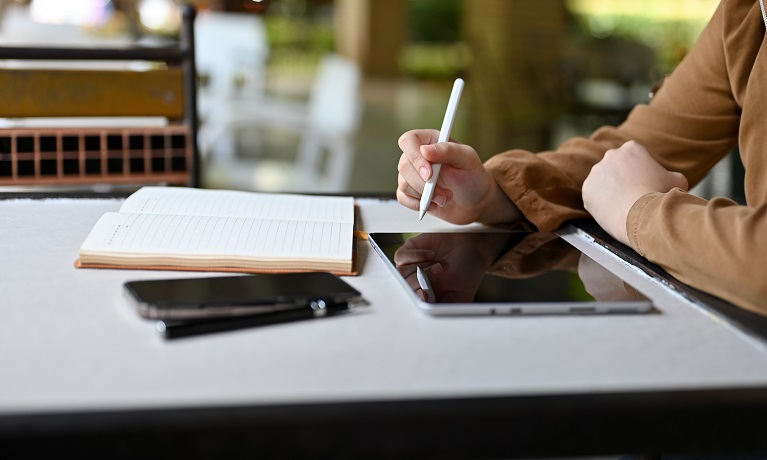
232,203
216,236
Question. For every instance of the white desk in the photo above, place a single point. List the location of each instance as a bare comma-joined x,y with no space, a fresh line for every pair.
71,344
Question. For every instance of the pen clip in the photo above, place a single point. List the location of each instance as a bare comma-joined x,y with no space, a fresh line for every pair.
319,307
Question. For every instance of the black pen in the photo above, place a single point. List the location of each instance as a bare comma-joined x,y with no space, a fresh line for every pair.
171,329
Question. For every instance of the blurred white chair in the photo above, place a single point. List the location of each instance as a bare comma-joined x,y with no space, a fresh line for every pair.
325,126
231,54
19,28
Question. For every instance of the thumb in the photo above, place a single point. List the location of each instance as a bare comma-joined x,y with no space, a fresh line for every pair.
459,156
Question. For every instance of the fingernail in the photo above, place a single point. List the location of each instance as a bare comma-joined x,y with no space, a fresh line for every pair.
439,200
424,172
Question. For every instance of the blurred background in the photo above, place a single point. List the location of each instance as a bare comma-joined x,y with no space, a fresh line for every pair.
312,95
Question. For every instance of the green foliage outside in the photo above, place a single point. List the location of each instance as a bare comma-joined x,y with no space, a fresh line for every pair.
434,49
300,31
668,27
670,40
434,21
298,34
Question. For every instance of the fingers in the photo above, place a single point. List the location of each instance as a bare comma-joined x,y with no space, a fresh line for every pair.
413,256
417,137
420,150
462,177
407,195
414,168
459,156
409,273
410,143
411,198
409,180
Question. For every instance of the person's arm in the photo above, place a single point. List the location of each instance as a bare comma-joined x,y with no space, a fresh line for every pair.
690,124
716,246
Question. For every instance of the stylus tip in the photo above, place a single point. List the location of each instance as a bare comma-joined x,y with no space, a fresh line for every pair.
421,213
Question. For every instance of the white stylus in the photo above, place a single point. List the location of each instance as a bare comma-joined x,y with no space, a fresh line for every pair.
425,284
444,135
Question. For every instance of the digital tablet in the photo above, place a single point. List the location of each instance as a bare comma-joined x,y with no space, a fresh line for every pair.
503,273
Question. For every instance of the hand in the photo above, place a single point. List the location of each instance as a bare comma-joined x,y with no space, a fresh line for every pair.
465,191
621,178
454,262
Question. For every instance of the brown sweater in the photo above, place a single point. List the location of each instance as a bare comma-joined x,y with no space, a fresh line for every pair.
715,99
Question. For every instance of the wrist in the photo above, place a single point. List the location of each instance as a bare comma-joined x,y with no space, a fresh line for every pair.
498,207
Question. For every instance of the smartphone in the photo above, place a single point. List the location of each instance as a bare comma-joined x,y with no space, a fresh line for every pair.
228,296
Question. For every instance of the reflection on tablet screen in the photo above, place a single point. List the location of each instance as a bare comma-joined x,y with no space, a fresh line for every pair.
510,267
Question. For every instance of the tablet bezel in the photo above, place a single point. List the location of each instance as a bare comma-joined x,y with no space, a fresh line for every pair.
507,308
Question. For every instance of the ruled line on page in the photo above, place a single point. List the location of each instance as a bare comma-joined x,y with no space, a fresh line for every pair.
211,235
232,203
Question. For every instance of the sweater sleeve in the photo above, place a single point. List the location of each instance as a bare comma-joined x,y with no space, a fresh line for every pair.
688,127
694,120
717,246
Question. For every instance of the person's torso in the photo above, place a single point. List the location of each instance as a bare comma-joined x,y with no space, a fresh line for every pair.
746,51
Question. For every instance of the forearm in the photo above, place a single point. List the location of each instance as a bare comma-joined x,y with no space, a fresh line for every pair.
498,208
716,245
546,187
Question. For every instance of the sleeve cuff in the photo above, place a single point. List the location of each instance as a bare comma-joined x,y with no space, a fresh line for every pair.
634,220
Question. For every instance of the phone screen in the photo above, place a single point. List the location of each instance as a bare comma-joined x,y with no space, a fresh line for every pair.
188,298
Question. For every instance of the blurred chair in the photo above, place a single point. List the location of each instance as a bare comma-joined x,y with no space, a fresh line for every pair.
231,54
325,127
77,126
78,24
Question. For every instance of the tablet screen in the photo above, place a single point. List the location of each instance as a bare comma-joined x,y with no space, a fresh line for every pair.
520,268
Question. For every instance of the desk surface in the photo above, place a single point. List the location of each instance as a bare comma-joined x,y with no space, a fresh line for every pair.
77,360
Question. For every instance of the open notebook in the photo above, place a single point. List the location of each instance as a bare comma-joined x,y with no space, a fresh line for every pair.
176,228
